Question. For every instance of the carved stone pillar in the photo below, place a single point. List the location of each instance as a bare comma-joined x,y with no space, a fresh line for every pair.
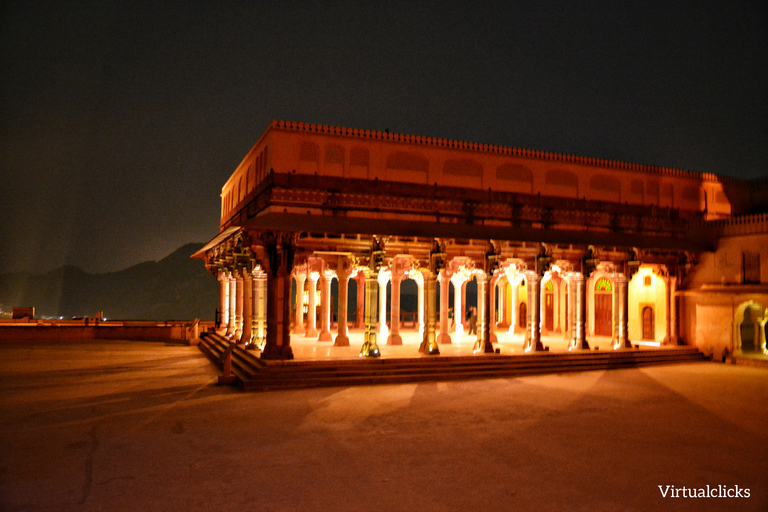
542,312
370,346
360,308
279,249
419,278
429,288
444,338
239,306
325,306
492,308
298,323
223,302
232,325
533,334
671,332
397,276
247,335
343,270
483,343
382,280
260,308
673,339
620,336
311,306
578,304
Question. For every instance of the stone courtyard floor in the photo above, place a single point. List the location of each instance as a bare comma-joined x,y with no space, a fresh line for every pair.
127,425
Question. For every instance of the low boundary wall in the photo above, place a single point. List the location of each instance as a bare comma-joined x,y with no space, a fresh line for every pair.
94,329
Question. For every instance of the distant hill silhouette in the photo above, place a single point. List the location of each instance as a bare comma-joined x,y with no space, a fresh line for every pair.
174,288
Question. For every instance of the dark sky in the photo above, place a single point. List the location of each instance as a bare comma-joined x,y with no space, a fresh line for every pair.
120,121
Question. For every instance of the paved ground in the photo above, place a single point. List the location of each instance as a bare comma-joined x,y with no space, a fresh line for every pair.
142,426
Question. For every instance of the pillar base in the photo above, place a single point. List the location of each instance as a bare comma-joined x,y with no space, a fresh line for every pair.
494,338
572,346
273,353
370,350
444,338
394,339
617,344
483,347
227,380
341,341
310,333
429,349
325,336
528,346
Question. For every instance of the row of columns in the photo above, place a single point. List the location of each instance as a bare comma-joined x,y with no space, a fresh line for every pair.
243,306
576,304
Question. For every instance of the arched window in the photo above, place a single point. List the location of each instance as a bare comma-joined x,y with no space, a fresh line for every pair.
603,285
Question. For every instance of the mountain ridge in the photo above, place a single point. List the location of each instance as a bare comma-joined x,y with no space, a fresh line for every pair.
176,287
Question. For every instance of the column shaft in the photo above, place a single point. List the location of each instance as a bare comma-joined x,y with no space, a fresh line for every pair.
298,324
370,347
342,340
260,307
429,289
579,312
533,333
360,308
223,302
325,308
622,300
247,334
312,307
444,337
394,335
382,285
232,325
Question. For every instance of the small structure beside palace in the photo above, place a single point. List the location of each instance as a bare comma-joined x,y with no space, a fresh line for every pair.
587,251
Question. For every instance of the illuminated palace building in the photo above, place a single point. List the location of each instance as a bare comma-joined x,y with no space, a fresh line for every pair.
432,245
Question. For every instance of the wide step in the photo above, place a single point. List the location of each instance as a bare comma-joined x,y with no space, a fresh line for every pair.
254,373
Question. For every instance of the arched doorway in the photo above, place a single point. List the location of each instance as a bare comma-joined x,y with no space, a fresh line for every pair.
603,308
549,306
649,325
748,330
749,322
522,315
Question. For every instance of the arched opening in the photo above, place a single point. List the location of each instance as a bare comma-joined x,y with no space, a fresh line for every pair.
522,316
549,306
409,302
748,330
749,327
603,308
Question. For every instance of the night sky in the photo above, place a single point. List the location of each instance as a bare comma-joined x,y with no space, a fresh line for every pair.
120,121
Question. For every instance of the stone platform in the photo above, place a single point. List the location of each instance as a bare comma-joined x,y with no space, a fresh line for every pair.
319,364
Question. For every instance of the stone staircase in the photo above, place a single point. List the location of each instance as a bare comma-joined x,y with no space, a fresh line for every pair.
253,373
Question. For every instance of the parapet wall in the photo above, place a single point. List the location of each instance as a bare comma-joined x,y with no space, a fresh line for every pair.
301,148
11,331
